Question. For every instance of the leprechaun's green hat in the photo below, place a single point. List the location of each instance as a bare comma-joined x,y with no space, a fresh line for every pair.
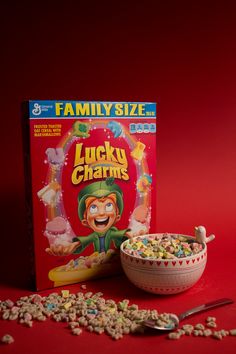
98,190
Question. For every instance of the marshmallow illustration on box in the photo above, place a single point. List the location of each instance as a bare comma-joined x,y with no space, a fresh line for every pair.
58,231
144,183
139,220
55,156
138,151
50,194
115,128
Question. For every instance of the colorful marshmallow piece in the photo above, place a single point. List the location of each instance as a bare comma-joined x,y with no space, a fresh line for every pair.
138,151
115,128
65,293
55,156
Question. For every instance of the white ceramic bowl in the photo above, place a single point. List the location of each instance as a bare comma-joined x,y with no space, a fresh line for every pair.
165,276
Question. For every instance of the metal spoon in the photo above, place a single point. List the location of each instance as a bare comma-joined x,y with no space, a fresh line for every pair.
173,320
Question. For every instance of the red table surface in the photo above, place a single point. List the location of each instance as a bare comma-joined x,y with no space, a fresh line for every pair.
181,56
51,337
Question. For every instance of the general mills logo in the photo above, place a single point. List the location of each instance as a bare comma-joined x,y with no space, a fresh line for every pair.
37,109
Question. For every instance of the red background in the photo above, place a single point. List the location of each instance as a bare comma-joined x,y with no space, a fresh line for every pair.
181,55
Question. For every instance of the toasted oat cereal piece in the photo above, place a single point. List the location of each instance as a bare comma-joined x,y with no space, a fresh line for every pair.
73,324
9,303
180,331
76,331
117,336
211,324
198,332
41,318
13,316
98,330
28,323
210,319
188,329
224,333
199,326
174,335
207,332
232,332
217,335
7,339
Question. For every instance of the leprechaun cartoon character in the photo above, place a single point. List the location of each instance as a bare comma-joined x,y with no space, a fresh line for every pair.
100,206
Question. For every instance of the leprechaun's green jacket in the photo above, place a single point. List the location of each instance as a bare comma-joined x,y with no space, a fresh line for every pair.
112,235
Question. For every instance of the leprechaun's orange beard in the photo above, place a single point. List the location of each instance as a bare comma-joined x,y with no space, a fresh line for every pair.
101,214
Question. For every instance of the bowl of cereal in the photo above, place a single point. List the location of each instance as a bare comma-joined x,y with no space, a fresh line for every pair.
165,263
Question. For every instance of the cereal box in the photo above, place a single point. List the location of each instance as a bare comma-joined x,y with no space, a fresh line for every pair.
91,184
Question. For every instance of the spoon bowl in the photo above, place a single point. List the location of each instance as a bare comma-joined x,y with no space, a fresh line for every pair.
172,320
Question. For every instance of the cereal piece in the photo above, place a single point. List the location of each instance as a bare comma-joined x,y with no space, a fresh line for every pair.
220,334
188,329
76,331
199,326
207,332
224,333
197,332
232,332
27,316
67,305
210,319
9,303
7,339
57,317
15,309
28,323
73,324
98,330
90,328
117,336
174,335
217,335
41,318
180,331
36,299
50,306
6,315
211,324
72,316
126,330
13,316
65,293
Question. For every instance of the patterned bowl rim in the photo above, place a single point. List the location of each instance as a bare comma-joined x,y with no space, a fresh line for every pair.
204,250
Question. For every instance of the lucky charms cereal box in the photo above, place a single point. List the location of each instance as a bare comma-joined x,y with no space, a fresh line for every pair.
91,184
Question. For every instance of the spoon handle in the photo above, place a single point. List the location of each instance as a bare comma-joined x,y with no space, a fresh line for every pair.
204,307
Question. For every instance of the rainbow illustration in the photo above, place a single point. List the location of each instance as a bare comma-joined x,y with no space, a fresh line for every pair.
144,180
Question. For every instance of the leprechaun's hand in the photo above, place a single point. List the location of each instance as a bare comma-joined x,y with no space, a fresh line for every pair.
60,250
131,234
